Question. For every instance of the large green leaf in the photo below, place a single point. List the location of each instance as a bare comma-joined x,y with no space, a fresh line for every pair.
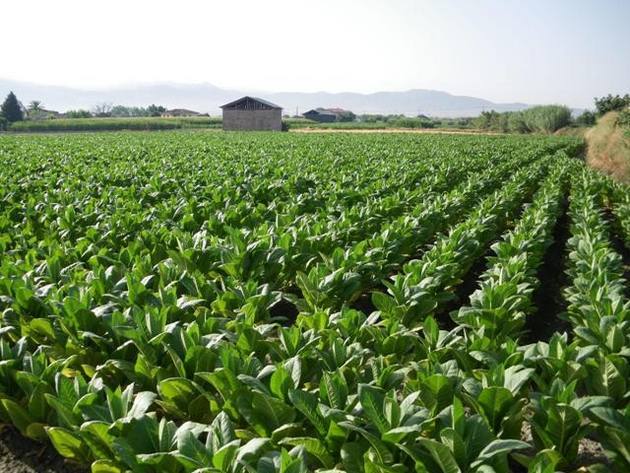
263,412
68,444
499,447
383,453
314,447
441,455
495,402
372,402
307,403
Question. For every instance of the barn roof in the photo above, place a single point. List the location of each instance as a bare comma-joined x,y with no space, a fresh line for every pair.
320,111
335,110
247,98
182,111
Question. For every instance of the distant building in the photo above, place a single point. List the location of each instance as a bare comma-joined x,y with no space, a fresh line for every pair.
320,115
326,115
251,113
43,114
337,110
179,112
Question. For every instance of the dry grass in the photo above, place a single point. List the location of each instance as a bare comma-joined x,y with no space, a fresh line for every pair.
609,148
578,132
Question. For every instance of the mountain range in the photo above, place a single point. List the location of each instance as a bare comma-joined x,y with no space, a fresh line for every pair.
207,98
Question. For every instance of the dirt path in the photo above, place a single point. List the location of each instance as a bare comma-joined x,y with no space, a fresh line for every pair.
21,455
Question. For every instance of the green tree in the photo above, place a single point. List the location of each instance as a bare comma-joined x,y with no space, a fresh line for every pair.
102,110
492,120
78,114
611,103
35,106
122,111
155,110
11,109
587,118
516,123
346,116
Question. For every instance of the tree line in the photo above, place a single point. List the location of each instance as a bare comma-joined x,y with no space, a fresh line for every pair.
549,118
539,119
12,111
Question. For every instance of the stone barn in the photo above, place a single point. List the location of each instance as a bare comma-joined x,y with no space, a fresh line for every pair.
251,113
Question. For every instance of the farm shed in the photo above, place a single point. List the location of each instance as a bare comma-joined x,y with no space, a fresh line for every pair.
321,115
251,113
179,112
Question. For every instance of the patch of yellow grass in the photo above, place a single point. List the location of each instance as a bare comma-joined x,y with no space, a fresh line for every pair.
609,148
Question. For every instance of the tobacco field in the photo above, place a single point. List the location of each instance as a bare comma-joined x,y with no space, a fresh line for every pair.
282,303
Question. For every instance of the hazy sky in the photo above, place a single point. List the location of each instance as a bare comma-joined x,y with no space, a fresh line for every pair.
504,50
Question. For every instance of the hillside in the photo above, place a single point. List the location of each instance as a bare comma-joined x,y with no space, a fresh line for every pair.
208,98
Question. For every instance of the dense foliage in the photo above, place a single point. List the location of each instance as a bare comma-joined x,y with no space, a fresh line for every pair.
624,118
380,121
540,119
611,103
79,113
125,111
586,118
205,302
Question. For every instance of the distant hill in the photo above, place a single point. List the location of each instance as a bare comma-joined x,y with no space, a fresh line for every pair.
208,98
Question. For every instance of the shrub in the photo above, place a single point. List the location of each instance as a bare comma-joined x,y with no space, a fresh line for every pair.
78,114
546,118
492,120
346,116
587,118
409,122
624,118
517,124
541,119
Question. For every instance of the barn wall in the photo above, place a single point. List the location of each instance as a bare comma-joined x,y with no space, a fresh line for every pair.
252,120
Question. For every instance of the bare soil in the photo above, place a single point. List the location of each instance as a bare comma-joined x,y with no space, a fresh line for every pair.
21,455
590,451
548,296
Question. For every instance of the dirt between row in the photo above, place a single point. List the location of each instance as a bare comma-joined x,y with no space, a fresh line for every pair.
21,455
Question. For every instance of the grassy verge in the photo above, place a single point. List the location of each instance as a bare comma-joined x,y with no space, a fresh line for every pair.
609,148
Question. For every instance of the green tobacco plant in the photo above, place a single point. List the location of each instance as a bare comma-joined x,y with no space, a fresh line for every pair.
558,420
463,443
614,430
193,302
